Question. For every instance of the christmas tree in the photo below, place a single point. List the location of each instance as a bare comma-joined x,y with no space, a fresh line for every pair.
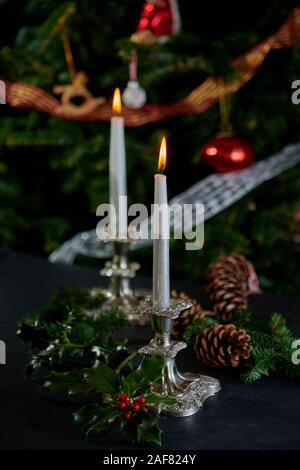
54,171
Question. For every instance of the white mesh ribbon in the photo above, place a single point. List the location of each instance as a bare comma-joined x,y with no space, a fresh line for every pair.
216,192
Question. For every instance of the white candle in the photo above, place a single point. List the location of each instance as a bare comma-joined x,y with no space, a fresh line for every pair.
161,270
117,167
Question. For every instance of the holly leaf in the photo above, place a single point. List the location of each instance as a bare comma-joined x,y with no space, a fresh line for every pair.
149,430
94,418
138,381
153,398
130,428
33,333
49,351
102,378
69,383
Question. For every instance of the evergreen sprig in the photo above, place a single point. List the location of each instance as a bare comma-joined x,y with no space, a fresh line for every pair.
271,343
64,330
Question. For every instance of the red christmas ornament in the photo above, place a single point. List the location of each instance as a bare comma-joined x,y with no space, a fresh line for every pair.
227,153
157,17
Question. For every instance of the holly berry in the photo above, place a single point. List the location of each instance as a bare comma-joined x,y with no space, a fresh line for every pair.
136,408
127,415
141,400
122,405
123,397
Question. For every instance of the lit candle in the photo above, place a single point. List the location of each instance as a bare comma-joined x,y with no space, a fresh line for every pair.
161,274
117,167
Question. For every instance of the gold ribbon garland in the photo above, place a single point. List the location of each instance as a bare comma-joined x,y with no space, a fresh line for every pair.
26,96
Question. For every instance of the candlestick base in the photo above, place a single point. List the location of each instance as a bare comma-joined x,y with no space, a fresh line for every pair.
190,390
120,293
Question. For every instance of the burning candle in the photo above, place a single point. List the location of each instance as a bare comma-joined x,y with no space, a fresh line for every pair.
161,274
117,167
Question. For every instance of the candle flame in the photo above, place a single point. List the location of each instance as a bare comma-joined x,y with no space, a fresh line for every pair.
162,155
117,103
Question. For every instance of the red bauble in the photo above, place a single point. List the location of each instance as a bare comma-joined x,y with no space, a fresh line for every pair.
297,215
227,153
156,17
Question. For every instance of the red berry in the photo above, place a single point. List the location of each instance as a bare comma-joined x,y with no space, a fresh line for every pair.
141,400
122,405
136,408
127,415
123,397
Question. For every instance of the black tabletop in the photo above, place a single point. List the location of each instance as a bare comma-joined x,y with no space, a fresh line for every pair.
261,416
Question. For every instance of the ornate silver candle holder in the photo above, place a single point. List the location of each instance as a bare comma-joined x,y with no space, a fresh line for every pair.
120,293
190,390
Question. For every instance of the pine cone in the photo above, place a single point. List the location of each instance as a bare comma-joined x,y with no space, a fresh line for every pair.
192,314
222,346
229,282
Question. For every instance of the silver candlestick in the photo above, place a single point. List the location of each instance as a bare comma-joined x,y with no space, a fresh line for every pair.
190,390
120,293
